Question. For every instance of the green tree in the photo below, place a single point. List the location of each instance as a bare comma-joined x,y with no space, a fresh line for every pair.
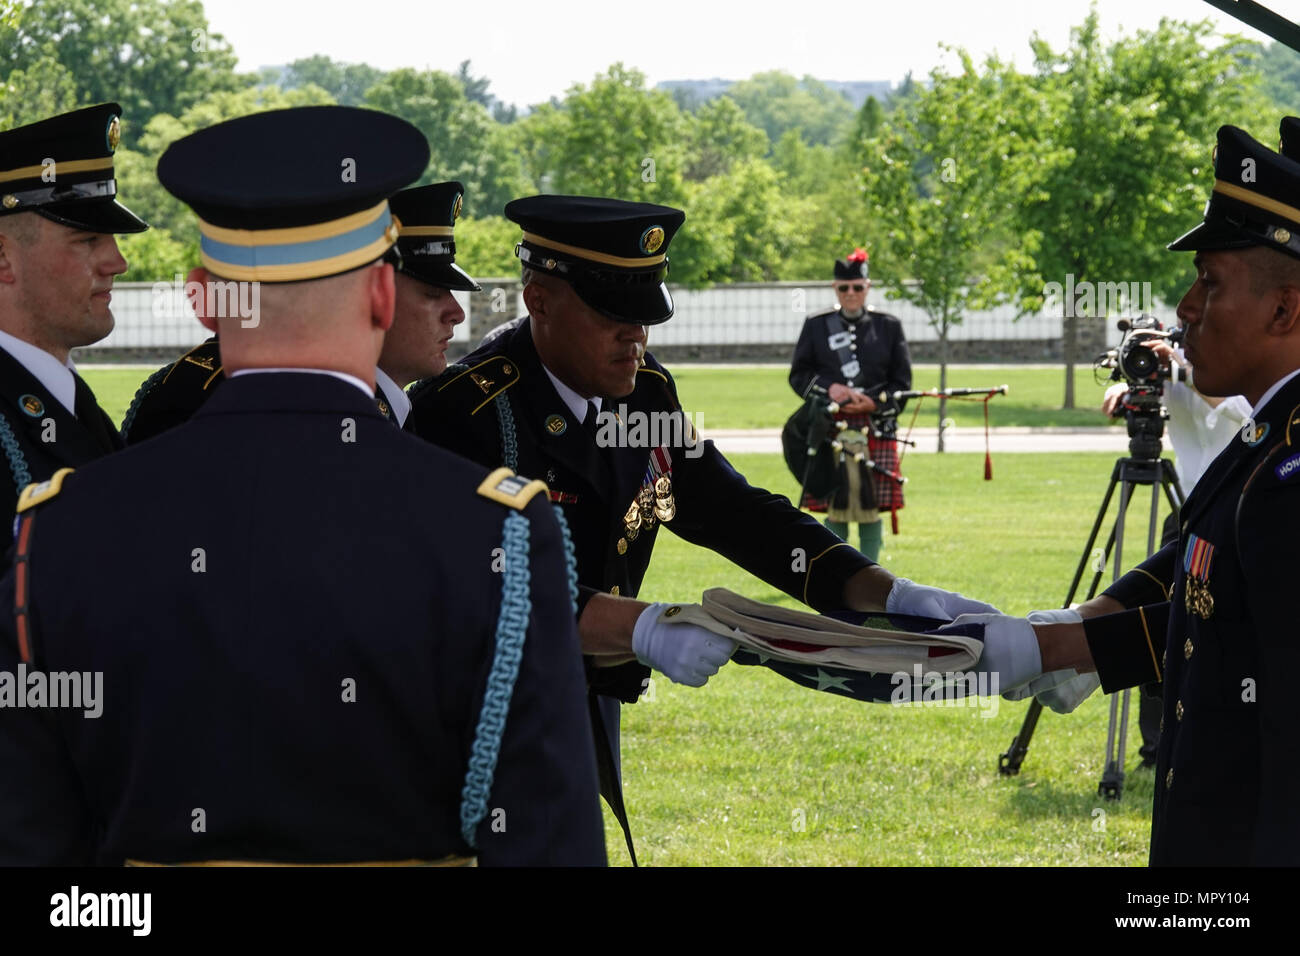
45,88
465,142
1279,69
149,55
1127,147
721,137
742,226
177,234
347,83
941,178
485,246
611,138
776,102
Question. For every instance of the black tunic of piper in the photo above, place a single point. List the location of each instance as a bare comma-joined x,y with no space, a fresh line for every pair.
45,435
1227,648
715,506
876,340
232,603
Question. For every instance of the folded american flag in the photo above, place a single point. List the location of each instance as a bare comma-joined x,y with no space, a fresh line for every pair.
865,656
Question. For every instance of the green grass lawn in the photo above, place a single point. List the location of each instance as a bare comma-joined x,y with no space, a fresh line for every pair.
115,387
762,398
725,774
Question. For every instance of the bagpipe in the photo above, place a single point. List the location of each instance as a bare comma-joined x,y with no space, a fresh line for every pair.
820,443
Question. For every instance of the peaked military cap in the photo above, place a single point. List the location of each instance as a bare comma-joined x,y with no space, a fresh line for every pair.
425,249
852,266
294,194
62,169
614,253
1255,202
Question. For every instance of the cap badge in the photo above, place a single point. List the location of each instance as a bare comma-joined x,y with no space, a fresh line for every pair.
9,201
1281,235
114,133
652,239
455,208
32,405
556,425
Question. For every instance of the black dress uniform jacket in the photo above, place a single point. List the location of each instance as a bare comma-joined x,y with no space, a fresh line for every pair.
78,439
171,395
716,507
1228,768
881,352
224,685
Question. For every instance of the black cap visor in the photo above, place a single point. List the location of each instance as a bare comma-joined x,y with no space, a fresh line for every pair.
634,303
106,216
445,275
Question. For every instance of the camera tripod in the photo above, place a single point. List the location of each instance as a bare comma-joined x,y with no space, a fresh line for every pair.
1144,466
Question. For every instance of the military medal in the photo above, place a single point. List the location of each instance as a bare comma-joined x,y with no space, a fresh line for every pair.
1198,557
645,500
665,507
632,522
659,482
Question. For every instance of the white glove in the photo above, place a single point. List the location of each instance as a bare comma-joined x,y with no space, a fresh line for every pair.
908,597
1010,648
684,653
1063,690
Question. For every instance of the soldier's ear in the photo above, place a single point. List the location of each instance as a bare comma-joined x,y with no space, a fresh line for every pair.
1286,311
535,300
196,286
383,296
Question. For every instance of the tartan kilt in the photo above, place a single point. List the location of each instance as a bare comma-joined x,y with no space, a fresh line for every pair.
889,494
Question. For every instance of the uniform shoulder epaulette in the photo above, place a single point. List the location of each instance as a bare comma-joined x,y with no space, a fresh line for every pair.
40,492
203,363
513,491
647,370
476,385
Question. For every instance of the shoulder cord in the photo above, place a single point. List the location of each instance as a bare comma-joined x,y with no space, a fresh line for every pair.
512,628
18,468
140,393
510,458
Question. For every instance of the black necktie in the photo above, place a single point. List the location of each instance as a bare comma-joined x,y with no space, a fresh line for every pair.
589,423
89,415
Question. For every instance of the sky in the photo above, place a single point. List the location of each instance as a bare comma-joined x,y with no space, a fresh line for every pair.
534,49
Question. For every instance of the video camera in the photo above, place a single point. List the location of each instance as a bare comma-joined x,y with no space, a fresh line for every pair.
1136,363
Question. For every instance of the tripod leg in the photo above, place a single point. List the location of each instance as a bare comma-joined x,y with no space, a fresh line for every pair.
1009,762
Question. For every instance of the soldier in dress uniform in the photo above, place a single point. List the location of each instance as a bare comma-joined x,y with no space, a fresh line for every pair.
425,316
571,394
1211,616
851,355
265,696
58,257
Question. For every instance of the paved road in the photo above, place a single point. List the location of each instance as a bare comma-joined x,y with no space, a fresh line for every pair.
1055,440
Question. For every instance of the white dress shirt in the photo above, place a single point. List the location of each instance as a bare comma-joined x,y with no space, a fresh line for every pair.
45,368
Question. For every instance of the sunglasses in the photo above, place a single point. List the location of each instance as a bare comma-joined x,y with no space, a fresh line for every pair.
856,287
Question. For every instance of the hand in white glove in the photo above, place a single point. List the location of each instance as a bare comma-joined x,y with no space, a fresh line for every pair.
1059,691
1010,648
908,597
684,653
